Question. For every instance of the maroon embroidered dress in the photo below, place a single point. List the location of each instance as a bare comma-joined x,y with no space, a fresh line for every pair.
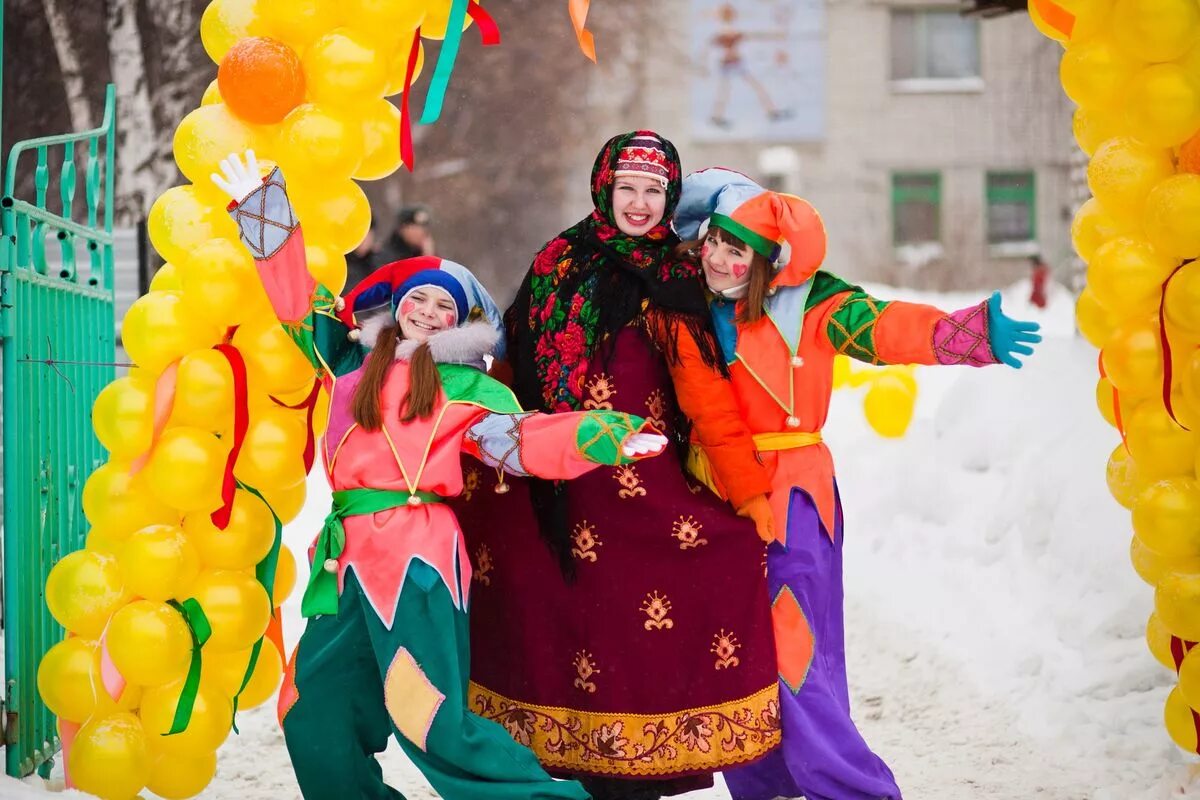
658,660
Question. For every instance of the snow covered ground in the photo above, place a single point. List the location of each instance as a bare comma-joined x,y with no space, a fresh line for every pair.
995,625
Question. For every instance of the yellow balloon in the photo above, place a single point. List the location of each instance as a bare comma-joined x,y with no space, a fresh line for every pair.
1090,18
337,216
1123,171
228,670
1092,127
1126,275
318,144
398,66
212,94
1151,566
1162,105
437,19
888,405
381,141
243,543
1161,448
149,643
298,22
1094,321
1189,678
109,757
221,284
203,392
1181,725
67,679
1189,379
1177,603
395,17
273,453
1093,226
186,469
1133,358
183,218
178,777
285,576
83,590
1104,401
107,542
1170,217
204,137
1182,301
225,22
1155,30
159,563
158,329
212,719
119,503
1158,639
344,68
328,267
1094,73
237,607
1121,475
1166,517
166,279
274,363
288,501
123,417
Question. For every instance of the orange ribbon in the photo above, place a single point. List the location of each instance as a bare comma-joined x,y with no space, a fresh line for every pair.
579,11
1055,16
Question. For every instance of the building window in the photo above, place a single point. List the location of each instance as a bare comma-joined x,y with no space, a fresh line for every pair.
916,207
935,48
1010,208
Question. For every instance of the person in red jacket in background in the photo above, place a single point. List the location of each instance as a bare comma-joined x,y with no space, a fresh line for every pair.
1040,273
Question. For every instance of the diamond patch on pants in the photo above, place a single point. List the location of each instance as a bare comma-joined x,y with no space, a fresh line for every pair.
411,698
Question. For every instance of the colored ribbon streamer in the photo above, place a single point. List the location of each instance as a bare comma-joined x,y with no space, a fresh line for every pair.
1179,649
164,403
241,422
309,404
1116,404
200,630
1055,16
321,593
1166,346
578,9
450,45
406,143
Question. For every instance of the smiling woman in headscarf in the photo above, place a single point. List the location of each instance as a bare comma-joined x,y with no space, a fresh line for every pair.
635,651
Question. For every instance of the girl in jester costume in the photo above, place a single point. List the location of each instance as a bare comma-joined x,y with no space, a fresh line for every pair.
780,327
385,650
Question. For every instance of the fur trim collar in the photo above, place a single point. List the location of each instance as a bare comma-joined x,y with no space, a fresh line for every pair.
466,344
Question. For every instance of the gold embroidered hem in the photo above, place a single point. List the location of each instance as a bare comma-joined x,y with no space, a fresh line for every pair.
637,745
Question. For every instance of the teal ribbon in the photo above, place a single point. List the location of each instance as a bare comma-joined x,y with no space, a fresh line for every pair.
445,64
321,593
200,629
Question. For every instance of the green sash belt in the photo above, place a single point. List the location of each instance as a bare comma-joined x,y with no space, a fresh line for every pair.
321,594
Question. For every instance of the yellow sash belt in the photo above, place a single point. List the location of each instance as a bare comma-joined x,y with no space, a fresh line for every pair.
701,468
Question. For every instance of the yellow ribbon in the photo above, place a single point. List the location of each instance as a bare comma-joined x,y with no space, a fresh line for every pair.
701,468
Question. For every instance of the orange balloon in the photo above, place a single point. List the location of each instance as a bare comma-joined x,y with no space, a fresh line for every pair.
1189,155
261,79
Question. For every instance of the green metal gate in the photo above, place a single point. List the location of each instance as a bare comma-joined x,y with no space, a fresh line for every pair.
57,334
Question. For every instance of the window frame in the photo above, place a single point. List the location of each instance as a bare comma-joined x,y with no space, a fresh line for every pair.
902,194
1002,194
964,84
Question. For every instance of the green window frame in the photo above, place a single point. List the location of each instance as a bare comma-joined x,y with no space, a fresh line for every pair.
1011,197
916,207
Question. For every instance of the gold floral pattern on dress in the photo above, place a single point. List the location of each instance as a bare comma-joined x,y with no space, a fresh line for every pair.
658,609
483,564
470,483
656,409
687,530
586,541
725,645
631,484
585,666
601,391
706,739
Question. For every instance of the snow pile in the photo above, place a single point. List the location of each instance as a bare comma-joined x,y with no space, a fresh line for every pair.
995,625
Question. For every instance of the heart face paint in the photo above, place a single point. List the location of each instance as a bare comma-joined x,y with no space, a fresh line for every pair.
740,270
447,320
407,307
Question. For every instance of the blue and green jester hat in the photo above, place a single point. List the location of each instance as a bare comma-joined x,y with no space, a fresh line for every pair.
386,287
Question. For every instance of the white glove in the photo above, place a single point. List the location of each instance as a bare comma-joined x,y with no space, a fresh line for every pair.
640,444
238,180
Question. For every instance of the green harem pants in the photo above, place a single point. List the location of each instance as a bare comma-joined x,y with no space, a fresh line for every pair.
358,682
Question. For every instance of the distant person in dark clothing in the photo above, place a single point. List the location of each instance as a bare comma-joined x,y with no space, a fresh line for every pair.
1038,276
362,260
411,237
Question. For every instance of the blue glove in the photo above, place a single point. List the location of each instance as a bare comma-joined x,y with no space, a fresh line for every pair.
1009,336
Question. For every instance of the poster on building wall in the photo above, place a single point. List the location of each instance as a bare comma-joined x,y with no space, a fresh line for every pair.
758,70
